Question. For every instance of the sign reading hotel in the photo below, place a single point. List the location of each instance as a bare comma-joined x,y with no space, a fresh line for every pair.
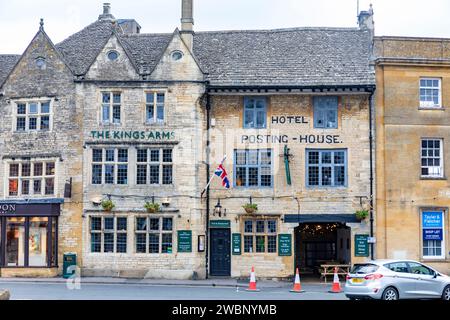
328,139
133,135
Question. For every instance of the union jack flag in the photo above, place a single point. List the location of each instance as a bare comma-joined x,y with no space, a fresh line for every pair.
222,173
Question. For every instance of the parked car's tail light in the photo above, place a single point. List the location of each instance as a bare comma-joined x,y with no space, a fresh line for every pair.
348,277
375,276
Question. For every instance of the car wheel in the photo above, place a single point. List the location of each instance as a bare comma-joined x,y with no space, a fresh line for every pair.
390,293
446,294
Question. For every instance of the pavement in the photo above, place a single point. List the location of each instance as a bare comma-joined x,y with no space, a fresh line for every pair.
93,288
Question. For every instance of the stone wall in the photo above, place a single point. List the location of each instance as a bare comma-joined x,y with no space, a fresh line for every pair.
352,134
55,83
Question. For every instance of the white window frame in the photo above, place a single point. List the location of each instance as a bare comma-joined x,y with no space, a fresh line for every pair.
155,106
114,163
104,231
111,106
28,115
254,234
160,163
428,104
443,249
159,232
31,178
441,157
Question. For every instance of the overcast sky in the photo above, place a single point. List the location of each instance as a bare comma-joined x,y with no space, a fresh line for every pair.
19,19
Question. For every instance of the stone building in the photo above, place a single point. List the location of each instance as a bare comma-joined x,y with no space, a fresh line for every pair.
112,116
291,110
41,189
413,79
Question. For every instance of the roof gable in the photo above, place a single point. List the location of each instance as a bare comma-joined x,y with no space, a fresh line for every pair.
104,69
41,81
186,68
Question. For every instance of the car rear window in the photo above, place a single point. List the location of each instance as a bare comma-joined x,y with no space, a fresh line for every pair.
364,268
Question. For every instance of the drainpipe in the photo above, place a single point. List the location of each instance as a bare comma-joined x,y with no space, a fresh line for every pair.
372,256
208,142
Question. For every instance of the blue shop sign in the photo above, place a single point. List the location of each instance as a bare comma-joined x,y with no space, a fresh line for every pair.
432,234
432,220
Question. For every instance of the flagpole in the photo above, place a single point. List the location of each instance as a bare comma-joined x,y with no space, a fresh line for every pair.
212,177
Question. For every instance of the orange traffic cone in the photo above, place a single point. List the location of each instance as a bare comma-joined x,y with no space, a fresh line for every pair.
336,288
252,284
297,285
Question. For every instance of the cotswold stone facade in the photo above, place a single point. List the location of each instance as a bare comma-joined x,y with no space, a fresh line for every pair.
136,124
412,98
29,149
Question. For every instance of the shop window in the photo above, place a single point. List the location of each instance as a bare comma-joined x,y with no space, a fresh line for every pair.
153,234
32,116
154,166
108,234
326,168
432,158
433,235
31,178
111,107
110,166
154,107
255,113
29,242
260,236
325,112
430,93
253,168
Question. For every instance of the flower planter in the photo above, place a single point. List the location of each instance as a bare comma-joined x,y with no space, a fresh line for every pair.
250,210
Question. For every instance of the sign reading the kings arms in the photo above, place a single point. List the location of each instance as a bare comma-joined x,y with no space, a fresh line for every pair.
133,135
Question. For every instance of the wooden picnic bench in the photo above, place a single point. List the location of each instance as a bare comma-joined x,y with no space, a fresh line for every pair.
328,270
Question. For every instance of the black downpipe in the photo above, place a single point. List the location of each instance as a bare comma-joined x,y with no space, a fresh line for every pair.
208,116
372,256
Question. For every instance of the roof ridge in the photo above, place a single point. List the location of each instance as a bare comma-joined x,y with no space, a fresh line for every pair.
284,30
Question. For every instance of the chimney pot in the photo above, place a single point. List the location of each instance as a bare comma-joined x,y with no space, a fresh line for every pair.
106,15
106,8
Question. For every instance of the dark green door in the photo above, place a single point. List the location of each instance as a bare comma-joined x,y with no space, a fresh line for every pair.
220,252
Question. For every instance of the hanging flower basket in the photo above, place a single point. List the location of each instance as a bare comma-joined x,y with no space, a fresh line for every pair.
362,214
108,205
152,207
250,208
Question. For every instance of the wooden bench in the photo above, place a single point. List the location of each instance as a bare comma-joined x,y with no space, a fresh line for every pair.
328,270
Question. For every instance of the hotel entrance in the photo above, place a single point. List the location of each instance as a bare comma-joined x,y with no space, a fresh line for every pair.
318,244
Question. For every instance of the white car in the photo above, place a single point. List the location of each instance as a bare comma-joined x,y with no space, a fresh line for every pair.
396,279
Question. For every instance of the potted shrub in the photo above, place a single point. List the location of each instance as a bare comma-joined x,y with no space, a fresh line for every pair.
250,207
108,205
151,207
362,214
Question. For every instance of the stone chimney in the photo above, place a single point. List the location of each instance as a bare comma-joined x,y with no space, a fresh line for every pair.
106,16
187,22
365,21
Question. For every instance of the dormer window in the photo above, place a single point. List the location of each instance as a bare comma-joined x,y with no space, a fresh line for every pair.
113,55
40,63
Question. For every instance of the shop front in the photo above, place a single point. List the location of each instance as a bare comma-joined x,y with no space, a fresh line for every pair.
28,235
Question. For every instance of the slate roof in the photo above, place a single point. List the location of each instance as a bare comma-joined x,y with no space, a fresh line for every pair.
7,63
299,56
293,57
